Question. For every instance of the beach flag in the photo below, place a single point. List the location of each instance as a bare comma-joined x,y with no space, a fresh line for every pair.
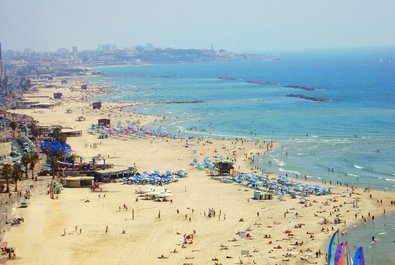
359,259
331,248
341,254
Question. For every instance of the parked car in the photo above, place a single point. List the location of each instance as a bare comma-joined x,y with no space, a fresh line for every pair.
23,205
14,154
26,150
44,173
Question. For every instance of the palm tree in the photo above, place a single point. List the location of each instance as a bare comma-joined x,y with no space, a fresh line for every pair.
54,165
59,135
59,155
7,174
33,162
16,175
13,126
25,160
35,130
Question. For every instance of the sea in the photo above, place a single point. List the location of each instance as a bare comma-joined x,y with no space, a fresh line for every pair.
349,139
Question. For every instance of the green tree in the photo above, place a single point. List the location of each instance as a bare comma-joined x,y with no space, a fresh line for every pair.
25,160
35,130
7,174
59,135
33,162
47,150
59,155
13,126
16,175
54,165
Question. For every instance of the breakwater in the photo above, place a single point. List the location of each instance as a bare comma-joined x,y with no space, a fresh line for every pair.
303,87
311,98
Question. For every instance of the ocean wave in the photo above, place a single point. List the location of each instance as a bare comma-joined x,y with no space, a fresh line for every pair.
358,167
390,179
352,175
279,162
289,171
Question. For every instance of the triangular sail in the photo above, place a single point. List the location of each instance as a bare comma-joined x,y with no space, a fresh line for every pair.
331,248
338,254
341,254
359,259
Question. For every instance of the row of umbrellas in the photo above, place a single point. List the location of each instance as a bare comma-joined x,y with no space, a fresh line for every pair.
206,163
156,177
129,130
280,186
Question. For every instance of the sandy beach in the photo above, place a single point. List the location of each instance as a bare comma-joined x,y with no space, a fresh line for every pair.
70,230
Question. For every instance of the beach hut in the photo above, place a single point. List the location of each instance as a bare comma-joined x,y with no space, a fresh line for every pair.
96,105
257,195
77,182
104,122
57,95
72,133
224,167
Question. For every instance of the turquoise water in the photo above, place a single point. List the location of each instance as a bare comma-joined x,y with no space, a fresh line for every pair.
382,250
354,135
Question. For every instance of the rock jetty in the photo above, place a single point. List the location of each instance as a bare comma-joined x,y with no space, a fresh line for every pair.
304,87
258,82
311,98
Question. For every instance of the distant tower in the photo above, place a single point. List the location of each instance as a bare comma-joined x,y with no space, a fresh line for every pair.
212,47
74,50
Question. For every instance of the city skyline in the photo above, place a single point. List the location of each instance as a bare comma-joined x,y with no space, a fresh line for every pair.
256,26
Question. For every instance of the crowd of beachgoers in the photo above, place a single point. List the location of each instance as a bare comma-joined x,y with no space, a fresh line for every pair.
202,220
281,185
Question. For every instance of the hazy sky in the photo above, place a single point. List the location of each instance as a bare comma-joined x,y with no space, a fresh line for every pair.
235,25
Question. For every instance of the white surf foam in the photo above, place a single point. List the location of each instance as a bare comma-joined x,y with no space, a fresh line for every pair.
279,162
289,171
358,167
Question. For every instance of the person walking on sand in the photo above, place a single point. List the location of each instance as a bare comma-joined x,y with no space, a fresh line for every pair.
106,229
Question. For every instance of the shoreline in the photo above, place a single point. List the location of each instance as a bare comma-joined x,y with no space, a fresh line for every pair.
181,157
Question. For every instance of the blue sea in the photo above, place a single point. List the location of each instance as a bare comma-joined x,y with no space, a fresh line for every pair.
350,139
354,135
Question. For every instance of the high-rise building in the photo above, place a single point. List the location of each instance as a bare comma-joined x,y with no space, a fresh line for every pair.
106,47
3,78
1,66
74,49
